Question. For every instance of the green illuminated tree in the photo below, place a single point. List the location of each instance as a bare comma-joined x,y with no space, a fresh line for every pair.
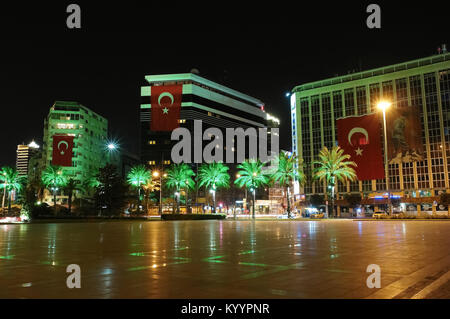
287,170
139,175
54,179
11,182
179,176
333,166
251,176
214,176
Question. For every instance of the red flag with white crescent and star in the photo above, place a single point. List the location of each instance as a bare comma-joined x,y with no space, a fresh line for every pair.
62,150
165,107
360,137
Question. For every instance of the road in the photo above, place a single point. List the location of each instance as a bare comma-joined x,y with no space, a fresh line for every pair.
226,259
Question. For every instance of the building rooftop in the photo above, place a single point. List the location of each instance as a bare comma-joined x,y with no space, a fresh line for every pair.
374,72
72,106
154,79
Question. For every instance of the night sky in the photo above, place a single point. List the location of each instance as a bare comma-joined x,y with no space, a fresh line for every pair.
263,50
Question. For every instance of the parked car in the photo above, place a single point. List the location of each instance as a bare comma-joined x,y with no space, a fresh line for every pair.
317,215
379,215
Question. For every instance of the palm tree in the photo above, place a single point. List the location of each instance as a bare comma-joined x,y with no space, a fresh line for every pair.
138,176
334,166
214,175
251,176
287,171
179,176
53,178
11,181
69,188
3,179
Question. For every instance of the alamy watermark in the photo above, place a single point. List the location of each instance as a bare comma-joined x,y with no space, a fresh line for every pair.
235,145
73,21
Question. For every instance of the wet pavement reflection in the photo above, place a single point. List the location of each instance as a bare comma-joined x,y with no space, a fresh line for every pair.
214,259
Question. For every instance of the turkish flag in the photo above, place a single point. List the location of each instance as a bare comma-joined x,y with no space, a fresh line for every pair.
62,150
360,137
166,106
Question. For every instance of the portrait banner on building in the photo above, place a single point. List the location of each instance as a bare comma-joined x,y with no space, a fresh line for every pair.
360,137
62,150
165,107
404,135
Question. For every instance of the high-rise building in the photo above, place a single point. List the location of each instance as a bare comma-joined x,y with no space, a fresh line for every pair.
212,103
89,130
422,83
217,106
24,155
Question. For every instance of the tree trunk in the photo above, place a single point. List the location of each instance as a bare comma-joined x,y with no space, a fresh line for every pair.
187,200
332,201
69,202
178,203
214,202
288,202
4,196
253,204
139,200
9,201
54,201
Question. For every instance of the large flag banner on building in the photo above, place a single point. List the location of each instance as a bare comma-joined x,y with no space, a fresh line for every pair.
62,150
166,106
404,134
360,137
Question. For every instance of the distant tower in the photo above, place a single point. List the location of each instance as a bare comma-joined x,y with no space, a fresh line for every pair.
24,154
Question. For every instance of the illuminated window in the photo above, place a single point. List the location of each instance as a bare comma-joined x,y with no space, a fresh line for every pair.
167,162
181,121
209,114
152,142
66,126
151,162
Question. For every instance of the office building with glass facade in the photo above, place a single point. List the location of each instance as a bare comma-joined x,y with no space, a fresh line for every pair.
424,83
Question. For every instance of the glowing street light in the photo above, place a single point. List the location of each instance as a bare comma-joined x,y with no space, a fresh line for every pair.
383,106
111,147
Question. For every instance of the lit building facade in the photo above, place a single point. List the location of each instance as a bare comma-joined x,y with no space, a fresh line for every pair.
24,155
212,103
90,131
425,83
216,106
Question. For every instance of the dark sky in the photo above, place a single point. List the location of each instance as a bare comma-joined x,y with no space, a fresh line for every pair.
262,49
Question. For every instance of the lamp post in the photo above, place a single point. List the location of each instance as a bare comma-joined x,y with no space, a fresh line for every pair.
156,174
213,192
245,188
111,148
383,105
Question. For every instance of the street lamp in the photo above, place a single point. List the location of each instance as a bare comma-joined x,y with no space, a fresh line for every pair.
111,147
383,106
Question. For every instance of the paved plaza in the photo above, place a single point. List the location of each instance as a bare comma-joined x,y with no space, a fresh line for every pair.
226,259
